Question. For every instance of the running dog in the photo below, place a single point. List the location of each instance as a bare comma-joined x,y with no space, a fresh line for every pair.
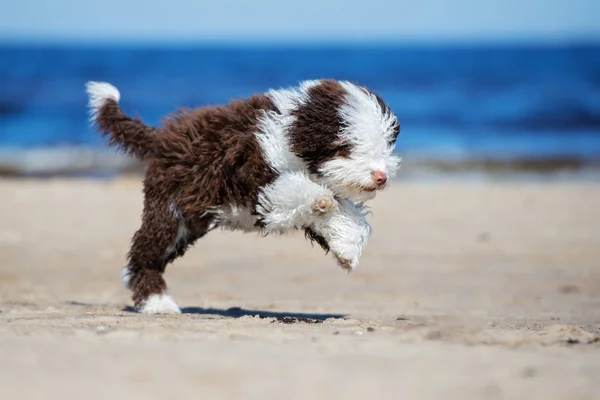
304,158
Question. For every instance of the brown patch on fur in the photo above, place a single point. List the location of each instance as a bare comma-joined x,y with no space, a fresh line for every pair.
314,136
396,133
210,157
313,236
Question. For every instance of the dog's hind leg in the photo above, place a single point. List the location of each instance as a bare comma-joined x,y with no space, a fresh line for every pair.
163,237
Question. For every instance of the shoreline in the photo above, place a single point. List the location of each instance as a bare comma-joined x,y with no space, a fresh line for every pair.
85,162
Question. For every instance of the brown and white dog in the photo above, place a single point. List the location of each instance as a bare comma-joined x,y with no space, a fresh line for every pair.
303,158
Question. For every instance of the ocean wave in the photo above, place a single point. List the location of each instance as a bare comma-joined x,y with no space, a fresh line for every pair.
92,162
501,102
548,118
64,161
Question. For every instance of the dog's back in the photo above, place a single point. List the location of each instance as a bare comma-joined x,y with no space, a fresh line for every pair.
206,157
213,150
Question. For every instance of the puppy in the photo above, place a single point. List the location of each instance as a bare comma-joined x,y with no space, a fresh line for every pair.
305,158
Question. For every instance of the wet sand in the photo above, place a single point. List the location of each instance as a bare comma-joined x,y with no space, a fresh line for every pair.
466,290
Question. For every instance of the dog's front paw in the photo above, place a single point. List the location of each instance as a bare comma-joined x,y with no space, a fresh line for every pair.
346,264
322,206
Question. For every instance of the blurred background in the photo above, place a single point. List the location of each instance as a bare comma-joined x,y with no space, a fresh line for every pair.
480,87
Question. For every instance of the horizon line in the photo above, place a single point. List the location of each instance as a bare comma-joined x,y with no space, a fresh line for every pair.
577,41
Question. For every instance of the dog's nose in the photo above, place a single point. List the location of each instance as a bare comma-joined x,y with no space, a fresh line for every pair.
380,178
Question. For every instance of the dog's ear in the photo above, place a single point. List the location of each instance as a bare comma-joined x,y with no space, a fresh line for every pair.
385,108
396,132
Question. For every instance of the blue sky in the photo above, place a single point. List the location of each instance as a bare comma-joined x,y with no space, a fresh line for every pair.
299,20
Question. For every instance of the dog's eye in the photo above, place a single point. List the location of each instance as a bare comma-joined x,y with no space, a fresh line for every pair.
342,152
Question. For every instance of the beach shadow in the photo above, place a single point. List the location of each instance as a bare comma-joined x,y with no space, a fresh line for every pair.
238,312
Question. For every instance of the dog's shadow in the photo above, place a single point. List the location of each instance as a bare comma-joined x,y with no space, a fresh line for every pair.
238,312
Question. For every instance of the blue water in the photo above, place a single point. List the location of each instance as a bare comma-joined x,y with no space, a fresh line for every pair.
457,102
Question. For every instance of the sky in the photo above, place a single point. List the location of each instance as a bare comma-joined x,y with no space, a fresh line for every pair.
298,20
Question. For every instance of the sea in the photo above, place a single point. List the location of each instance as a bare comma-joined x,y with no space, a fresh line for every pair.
476,105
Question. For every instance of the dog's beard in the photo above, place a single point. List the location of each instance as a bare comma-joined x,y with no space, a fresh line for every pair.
353,192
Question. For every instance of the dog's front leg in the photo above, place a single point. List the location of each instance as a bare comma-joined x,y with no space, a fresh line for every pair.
293,201
344,232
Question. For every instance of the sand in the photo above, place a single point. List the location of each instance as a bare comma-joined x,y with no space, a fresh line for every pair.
467,290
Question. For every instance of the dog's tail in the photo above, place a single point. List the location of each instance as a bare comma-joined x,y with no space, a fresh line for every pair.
130,135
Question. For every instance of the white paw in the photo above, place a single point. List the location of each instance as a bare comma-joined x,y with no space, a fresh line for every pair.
323,205
160,304
347,265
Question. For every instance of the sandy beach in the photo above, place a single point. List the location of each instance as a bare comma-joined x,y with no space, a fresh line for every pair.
467,290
